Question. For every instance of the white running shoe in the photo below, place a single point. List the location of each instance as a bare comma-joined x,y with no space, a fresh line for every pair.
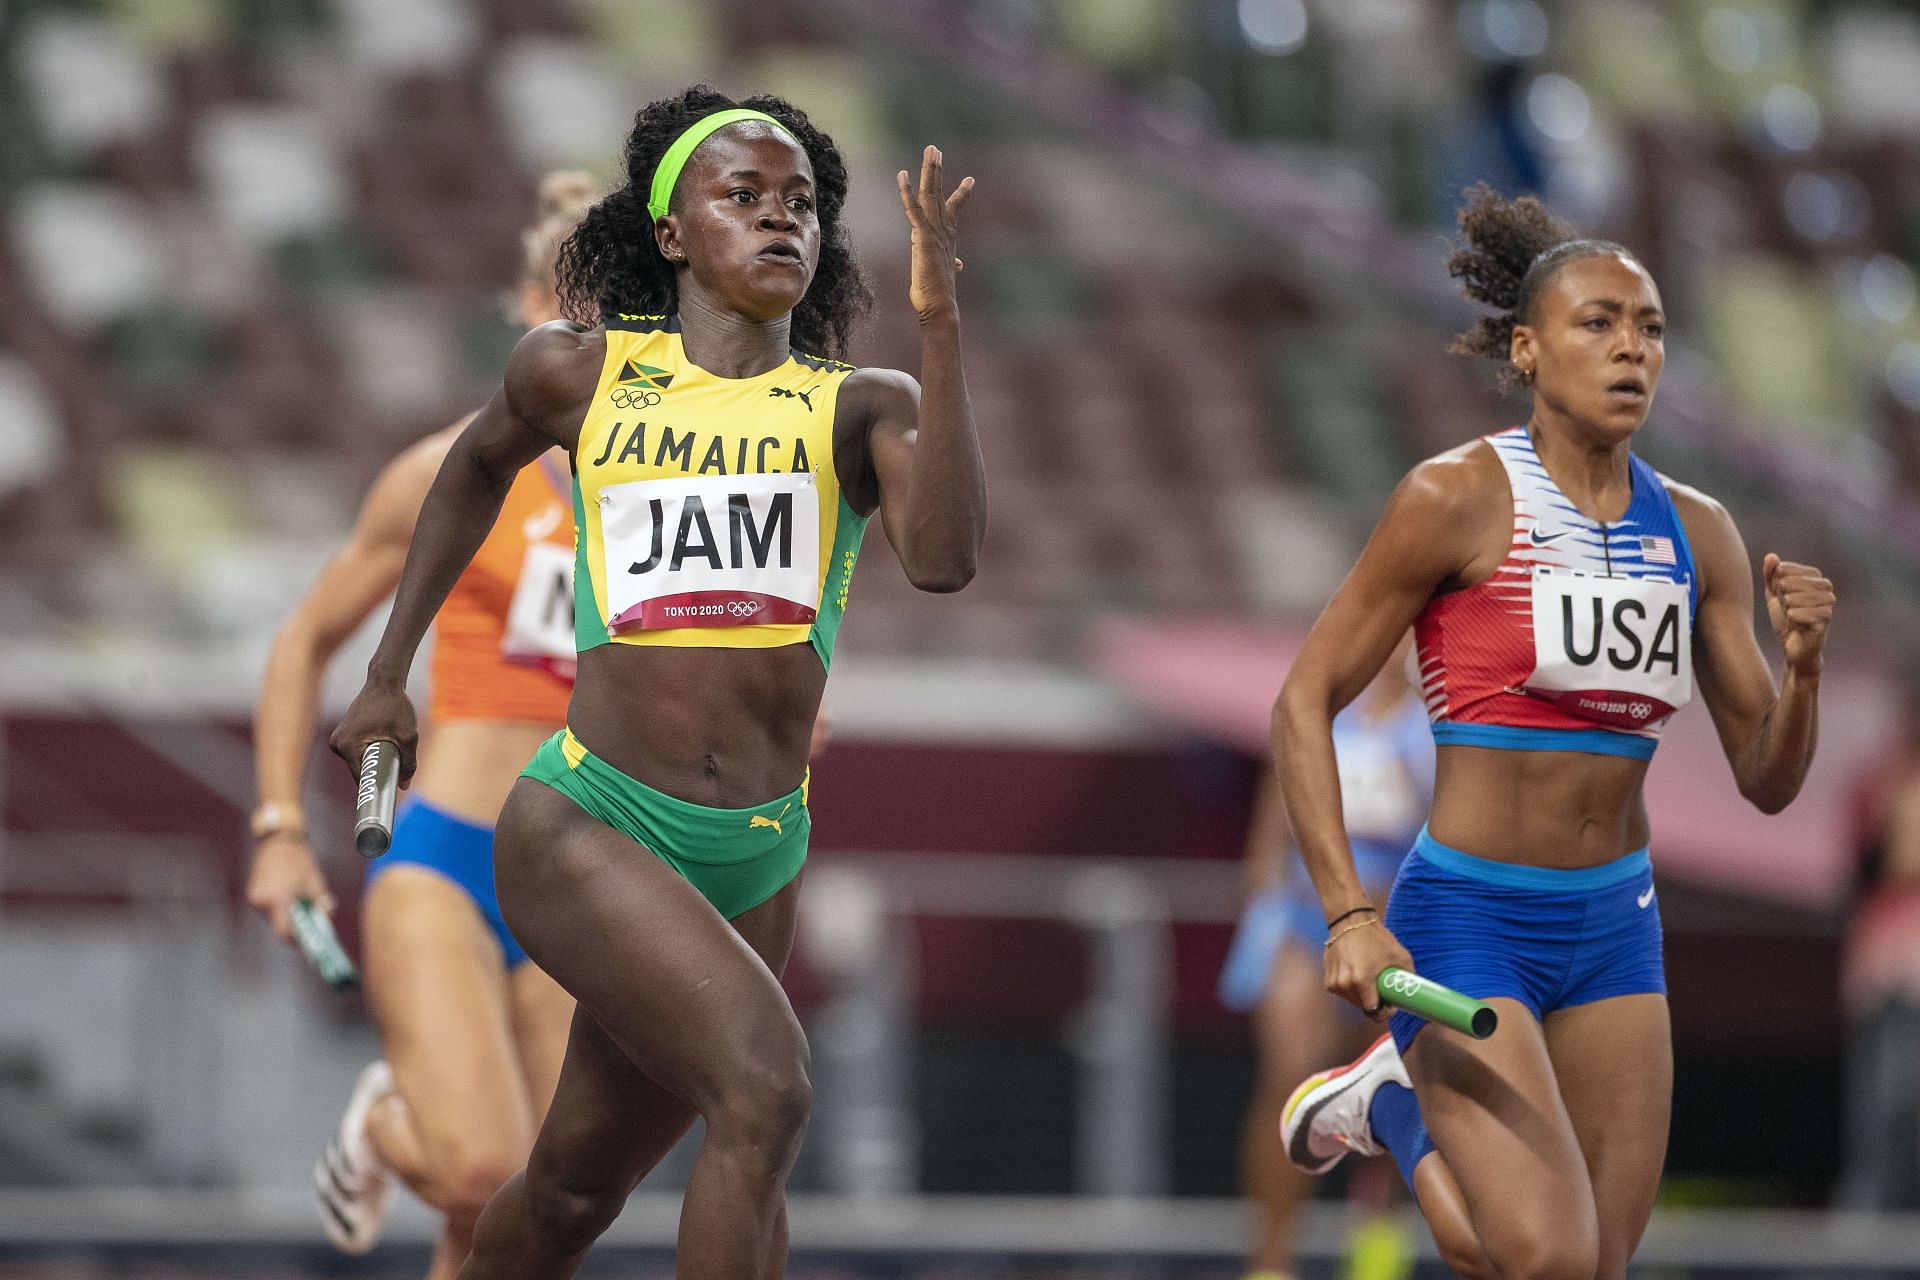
353,1185
1325,1119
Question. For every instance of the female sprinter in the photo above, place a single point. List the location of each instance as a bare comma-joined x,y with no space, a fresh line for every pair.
472,1033
1385,758
1563,596
649,855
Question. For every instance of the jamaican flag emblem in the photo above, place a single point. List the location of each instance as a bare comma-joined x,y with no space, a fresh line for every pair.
638,386
644,377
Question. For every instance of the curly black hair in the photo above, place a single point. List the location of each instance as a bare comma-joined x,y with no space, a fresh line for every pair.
611,265
1513,250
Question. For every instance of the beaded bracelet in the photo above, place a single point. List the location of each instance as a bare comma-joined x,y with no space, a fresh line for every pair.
1352,928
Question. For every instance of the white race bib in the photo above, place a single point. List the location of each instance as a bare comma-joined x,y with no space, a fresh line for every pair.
540,620
711,551
1618,651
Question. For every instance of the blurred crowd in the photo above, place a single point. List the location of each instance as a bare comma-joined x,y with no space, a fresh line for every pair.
1763,156
252,247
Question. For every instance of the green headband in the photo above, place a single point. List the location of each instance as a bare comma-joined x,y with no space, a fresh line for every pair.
683,146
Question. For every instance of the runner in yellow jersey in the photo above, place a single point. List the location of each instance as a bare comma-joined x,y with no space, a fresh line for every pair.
725,466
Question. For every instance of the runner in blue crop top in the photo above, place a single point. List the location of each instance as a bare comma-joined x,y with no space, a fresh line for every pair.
1272,971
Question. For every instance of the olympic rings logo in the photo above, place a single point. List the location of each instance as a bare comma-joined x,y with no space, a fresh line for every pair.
742,608
1640,710
1401,983
629,398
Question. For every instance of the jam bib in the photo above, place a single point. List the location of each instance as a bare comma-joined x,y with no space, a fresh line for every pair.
711,551
539,630
1616,651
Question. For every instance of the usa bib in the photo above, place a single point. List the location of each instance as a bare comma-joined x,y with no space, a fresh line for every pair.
539,630
1613,650
711,551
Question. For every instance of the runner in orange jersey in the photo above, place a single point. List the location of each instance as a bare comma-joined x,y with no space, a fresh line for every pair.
472,1033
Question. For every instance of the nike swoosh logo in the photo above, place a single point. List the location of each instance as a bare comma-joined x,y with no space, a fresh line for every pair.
1646,899
1304,1154
1540,539
540,524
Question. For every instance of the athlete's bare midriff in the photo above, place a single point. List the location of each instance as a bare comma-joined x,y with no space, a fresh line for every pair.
468,766
726,728
1560,809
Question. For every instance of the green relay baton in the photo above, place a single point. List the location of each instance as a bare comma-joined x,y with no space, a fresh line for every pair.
321,946
1429,1000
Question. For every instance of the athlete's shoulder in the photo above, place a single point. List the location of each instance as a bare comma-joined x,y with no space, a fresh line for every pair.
1692,503
875,381
556,364
874,395
557,345
1459,481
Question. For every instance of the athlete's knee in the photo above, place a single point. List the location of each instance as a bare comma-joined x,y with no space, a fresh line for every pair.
765,1103
568,1219
472,1176
1559,1249
775,1101
1460,1249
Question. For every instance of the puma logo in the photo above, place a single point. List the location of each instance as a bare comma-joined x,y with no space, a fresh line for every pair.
804,397
1646,899
757,820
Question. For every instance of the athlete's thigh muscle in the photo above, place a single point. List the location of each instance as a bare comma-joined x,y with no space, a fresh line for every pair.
610,1124
1493,1108
440,999
685,996
1614,1059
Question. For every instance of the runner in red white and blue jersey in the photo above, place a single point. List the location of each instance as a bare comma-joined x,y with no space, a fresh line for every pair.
1565,598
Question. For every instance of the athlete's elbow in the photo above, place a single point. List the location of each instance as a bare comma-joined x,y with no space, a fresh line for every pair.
1769,796
1292,717
1297,701
300,643
942,578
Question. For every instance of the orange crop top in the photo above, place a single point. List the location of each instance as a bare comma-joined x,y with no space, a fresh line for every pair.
503,641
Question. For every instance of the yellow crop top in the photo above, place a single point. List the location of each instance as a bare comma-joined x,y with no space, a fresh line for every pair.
707,510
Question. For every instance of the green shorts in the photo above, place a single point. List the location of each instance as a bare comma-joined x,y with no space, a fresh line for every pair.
736,858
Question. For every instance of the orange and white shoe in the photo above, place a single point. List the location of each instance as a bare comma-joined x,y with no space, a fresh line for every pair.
352,1184
1326,1118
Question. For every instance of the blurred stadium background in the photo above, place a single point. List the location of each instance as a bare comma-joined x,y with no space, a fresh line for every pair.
250,248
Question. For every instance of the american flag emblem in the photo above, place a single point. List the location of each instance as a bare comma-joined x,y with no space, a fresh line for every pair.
1657,551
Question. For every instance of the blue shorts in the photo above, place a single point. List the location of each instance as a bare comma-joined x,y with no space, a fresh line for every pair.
461,851
1290,913
1550,939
